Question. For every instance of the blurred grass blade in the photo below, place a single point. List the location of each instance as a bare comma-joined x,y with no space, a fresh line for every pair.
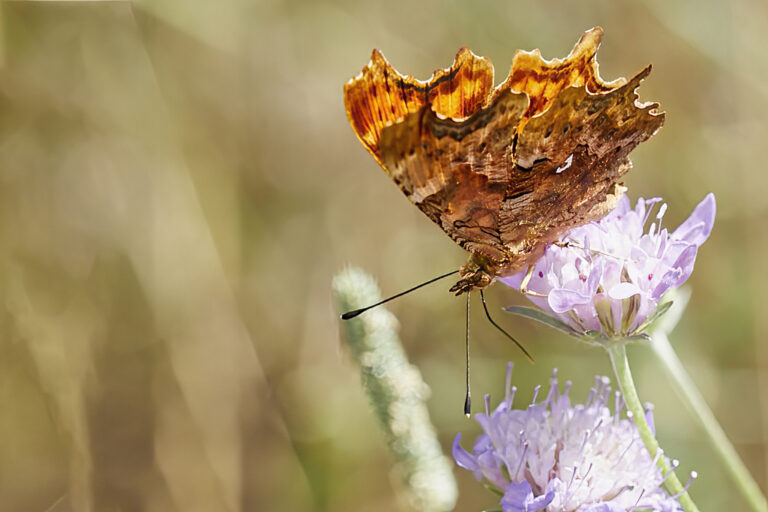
697,404
397,394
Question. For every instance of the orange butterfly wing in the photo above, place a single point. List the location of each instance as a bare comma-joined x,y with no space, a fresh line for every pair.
504,171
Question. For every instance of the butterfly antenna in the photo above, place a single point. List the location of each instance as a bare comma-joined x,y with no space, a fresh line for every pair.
355,312
468,396
488,314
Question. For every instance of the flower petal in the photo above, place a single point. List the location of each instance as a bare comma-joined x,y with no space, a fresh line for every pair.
623,291
462,457
603,507
667,281
517,496
622,207
685,262
513,281
697,227
540,502
562,300
593,281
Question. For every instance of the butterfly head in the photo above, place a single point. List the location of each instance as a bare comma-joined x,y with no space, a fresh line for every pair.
478,273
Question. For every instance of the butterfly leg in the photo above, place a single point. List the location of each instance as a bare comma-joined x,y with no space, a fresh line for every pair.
505,333
524,285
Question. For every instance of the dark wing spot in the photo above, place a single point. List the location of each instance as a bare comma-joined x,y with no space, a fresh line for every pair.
515,196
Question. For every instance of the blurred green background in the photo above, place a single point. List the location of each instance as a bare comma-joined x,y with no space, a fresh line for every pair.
179,184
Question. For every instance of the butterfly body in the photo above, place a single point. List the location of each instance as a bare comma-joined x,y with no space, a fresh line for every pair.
503,171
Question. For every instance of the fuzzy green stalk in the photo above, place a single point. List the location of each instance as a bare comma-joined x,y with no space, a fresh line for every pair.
618,354
397,394
692,398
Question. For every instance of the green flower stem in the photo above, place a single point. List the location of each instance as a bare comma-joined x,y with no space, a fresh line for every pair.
618,354
693,399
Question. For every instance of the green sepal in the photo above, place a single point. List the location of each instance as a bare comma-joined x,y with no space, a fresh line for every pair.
655,316
493,489
541,317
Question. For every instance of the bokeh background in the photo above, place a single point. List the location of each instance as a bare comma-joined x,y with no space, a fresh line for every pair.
179,184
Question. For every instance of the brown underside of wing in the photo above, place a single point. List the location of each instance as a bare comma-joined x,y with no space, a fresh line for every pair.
569,159
459,174
504,172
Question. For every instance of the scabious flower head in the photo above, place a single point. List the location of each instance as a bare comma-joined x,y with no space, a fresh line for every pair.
556,456
609,276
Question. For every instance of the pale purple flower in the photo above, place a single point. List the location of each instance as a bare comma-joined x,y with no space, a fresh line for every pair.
610,275
556,456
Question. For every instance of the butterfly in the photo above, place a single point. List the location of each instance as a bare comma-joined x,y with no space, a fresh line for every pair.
505,170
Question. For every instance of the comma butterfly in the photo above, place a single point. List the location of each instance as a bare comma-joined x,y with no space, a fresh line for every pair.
504,171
